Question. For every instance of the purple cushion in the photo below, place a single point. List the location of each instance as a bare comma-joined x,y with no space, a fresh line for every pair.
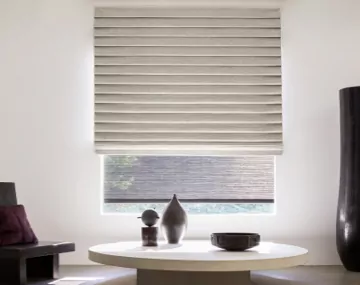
14,226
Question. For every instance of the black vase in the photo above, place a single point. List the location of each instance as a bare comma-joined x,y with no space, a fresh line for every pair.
174,222
348,212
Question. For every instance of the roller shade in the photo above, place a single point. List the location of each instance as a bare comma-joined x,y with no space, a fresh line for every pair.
200,179
188,81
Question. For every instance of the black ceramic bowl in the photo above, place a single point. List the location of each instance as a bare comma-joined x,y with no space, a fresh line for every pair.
235,241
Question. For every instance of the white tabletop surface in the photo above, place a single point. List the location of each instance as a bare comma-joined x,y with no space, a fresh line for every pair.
197,256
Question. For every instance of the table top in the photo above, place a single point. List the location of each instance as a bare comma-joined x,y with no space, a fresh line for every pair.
197,256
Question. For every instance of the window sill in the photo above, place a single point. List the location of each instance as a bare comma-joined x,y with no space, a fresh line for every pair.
192,208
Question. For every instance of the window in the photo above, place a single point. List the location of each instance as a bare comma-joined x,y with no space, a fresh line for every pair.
205,184
188,101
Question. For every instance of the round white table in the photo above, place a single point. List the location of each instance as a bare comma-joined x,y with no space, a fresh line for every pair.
196,262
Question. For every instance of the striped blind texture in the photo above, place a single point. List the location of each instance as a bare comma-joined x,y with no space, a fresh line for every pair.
188,81
201,179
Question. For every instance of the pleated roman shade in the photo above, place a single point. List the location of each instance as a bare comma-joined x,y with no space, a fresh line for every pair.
188,81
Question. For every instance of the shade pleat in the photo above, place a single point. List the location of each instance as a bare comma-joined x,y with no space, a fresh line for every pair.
188,81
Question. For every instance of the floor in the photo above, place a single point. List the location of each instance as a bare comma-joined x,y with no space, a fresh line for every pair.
307,275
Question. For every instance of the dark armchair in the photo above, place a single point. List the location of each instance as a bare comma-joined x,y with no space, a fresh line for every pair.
20,263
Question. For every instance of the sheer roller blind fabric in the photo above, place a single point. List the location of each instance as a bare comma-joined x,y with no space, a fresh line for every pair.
188,81
200,179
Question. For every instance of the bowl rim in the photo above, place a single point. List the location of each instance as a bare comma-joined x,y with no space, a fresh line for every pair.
234,234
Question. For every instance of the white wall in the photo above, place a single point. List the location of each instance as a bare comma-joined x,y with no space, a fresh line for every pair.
46,102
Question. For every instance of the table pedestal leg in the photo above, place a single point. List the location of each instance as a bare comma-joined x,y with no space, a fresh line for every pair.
160,277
